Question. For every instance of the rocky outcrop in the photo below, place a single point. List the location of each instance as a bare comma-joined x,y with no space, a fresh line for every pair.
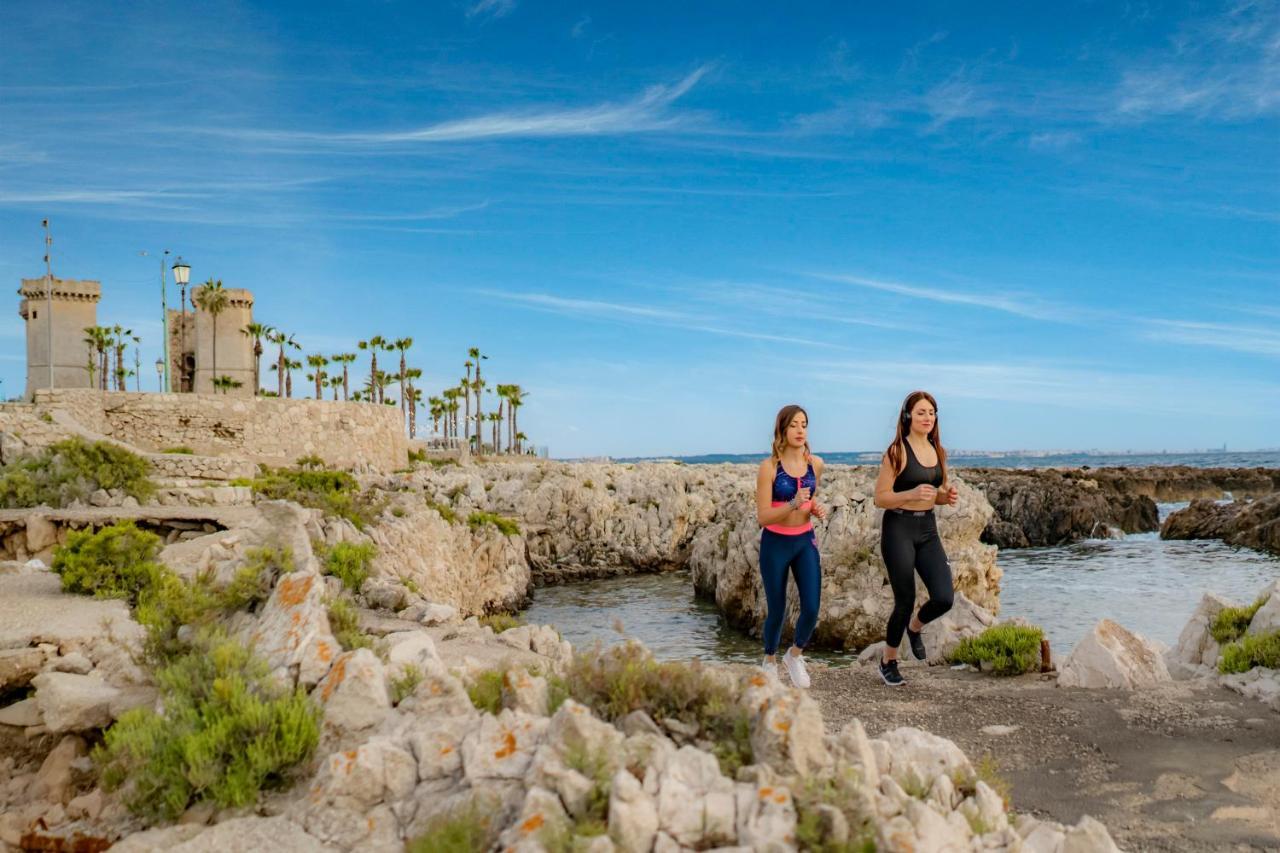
1197,654
1249,524
1111,656
1172,483
588,520
1053,507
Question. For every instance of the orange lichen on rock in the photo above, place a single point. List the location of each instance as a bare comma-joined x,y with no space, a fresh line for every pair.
533,824
335,677
292,591
509,746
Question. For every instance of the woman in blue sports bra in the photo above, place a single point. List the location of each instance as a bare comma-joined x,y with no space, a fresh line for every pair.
785,486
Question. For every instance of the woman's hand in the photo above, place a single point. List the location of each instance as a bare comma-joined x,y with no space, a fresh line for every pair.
802,495
924,492
952,495
818,510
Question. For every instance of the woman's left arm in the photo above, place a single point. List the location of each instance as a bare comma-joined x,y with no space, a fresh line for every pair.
947,495
816,509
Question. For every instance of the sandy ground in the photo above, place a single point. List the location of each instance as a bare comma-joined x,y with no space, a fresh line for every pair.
1178,768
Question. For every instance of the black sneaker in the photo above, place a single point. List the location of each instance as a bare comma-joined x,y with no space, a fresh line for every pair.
917,644
890,675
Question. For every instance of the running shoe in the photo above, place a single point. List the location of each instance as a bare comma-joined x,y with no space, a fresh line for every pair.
795,669
890,675
917,644
769,667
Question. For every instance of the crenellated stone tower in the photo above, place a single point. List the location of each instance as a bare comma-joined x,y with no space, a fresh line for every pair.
75,308
235,349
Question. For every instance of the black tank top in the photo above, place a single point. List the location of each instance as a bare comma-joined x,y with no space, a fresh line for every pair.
915,474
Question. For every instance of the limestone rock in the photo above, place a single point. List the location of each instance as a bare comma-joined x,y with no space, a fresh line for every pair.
22,713
766,817
1110,656
541,814
1196,646
354,694
74,703
19,666
633,814
502,747
577,752
1267,617
786,727
377,771
697,806
411,647
292,632
913,758
524,692
854,747
1088,836
53,780
277,834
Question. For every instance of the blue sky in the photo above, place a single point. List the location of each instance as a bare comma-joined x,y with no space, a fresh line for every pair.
666,220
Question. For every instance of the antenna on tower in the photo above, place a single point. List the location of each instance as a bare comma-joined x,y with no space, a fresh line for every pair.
48,291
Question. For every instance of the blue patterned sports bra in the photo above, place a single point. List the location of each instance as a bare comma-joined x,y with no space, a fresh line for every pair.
784,485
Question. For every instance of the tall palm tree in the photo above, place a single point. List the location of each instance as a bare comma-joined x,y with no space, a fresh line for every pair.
521,438
478,387
291,365
119,340
401,344
515,399
137,362
450,407
466,383
336,382
257,331
318,363
223,383
374,344
92,338
214,299
282,340
345,359
435,407
495,419
414,397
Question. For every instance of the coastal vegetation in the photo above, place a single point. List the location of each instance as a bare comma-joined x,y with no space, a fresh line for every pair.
1231,622
226,730
1249,651
506,526
1002,649
348,562
71,470
334,493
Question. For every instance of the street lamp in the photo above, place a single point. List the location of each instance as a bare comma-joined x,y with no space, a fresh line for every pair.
181,275
160,366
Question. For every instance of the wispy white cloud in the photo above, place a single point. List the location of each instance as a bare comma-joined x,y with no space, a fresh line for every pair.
1255,340
1022,305
580,28
625,312
491,8
647,112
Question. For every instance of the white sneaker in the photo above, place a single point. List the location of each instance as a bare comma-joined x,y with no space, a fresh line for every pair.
795,669
769,667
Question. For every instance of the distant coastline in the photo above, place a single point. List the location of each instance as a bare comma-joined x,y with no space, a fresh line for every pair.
1021,458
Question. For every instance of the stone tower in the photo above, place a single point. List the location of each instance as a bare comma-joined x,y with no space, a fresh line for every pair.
75,308
235,349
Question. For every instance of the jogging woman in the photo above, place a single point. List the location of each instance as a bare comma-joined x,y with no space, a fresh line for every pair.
785,487
913,480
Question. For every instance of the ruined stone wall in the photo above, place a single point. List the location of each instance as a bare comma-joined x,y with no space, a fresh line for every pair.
266,429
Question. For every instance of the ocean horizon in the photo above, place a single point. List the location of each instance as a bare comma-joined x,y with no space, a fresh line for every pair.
1266,458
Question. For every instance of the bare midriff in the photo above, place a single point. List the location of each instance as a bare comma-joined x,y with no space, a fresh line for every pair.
796,522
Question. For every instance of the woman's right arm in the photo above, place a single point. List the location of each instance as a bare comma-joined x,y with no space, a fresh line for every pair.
766,513
886,497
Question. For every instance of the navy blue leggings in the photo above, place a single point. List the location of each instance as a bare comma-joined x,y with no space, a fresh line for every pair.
799,553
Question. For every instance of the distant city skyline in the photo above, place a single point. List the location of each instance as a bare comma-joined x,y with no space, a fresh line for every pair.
667,221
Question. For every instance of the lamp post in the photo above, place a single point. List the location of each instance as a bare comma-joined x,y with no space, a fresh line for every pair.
181,275
164,313
160,371
48,276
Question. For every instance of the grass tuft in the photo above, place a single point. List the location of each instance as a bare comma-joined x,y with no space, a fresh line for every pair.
506,526
500,622
1231,622
1249,651
344,622
72,470
349,562
467,830
1010,649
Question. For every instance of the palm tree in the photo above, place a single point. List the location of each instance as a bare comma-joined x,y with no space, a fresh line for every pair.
401,344
137,362
515,399
223,383
435,407
257,331
450,407
214,299
496,418
119,340
374,344
281,340
318,363
336,382
466,383
413,396
93,337
345,359
477,386
521,438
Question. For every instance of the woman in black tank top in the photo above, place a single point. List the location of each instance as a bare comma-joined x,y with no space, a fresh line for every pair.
908,490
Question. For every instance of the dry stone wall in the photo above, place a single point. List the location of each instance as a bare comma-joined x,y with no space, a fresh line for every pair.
265,429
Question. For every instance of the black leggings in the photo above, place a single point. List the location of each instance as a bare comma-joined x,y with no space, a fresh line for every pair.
910,543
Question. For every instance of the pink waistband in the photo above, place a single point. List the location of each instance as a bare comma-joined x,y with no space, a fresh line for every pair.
786,530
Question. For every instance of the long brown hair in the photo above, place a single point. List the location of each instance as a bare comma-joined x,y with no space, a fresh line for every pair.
785,415
897,452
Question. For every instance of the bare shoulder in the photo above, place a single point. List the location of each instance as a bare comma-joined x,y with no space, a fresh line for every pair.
817,463
766,466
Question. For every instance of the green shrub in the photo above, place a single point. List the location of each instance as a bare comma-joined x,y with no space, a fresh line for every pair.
468,830
446,512
311,461
398,511
181,450
616,681
440,463
1010,649
118,561
344,622
253,582
1250,651
403,684
506,526
349,562
1231,622
334,493
500,622
842,792
226,733
72,470
416,456
486,691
